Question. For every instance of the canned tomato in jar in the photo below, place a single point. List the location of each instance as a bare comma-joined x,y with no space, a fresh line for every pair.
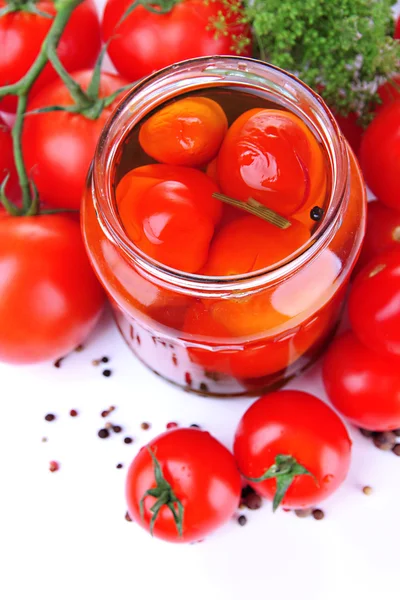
224,213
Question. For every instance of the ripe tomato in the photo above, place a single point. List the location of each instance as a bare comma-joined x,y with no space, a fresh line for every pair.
305,440
146,42
58,147
383,232
380,155
389,92
188,132
159,206
22,34
7,166
240,246
362,385
374,304
200,481
50,298
397,30
270,155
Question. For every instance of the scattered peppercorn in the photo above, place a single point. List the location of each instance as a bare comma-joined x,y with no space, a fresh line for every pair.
128,517
396,449
242,520
103,433
195,426
105,359
316,213
58,362
107,412
145,426
367,490
366,433
96,362
303,512
174,360
385,440
203,387
246,491
172,425
253,501
107,372
128,440
119,466
44,439
318,514
50,417
73,412
53,466
138,340
116,428
79,348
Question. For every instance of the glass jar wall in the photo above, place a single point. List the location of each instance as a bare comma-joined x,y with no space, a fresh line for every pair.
226,335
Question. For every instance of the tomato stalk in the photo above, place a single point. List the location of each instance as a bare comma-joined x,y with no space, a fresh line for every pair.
165,497
21,89
284,470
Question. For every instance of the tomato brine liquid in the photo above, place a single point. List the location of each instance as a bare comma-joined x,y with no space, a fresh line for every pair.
229,234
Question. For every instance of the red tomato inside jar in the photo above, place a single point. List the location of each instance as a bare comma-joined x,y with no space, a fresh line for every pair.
224,214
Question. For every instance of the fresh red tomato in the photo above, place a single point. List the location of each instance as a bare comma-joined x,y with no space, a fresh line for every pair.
198,480
389,92
146,41
292,448
50,298
22,34
271,156
397,30
383,232
58,147
7,166
351,130
374,304
380,155
362,385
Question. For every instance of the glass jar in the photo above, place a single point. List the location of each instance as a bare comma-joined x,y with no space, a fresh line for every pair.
279,319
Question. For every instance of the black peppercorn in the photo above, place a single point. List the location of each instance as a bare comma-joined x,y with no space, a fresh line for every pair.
316,213
107,373
103,433
50,417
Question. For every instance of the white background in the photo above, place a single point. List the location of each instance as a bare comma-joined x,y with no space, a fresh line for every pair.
63,535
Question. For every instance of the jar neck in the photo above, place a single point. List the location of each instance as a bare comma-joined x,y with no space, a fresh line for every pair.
255,77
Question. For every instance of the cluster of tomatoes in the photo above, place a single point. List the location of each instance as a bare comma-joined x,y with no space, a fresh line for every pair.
289,446
266,155
49,296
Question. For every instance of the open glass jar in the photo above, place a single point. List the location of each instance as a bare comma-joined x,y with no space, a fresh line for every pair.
261,328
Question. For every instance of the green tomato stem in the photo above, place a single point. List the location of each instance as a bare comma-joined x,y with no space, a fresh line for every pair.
22,88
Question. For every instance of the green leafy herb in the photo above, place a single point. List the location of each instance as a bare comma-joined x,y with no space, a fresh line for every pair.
342,48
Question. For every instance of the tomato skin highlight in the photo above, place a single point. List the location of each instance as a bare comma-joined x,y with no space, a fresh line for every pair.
22,34
380,155
50,299
300,425
203,476
362,385
374,304
58,147
182,33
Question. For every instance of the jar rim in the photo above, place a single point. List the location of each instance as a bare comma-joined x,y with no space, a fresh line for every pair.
198,73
